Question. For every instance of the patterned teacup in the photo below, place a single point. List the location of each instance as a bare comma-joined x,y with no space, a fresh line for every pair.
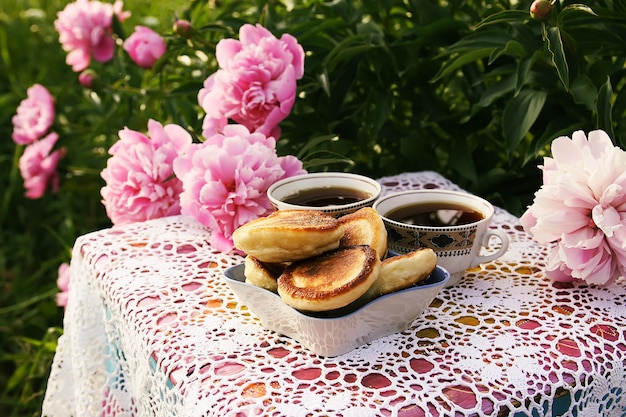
335,193
454,224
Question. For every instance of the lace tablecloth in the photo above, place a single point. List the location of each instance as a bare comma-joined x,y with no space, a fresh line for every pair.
152,329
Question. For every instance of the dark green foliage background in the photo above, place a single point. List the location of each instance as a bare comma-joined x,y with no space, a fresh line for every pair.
474,90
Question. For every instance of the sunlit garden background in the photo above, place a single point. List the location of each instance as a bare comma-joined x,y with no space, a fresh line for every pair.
475,90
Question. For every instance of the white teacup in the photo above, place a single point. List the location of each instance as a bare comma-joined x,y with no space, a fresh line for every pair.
416,219
335,193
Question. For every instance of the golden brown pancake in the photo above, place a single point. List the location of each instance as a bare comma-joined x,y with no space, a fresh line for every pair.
364,227
289,235
403,271
329,281
262,274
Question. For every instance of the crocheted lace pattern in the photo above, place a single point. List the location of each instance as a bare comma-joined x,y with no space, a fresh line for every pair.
152,329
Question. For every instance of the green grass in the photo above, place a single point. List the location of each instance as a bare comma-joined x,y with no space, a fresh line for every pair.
36,236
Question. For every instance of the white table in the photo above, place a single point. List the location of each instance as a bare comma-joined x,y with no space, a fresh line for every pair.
152,329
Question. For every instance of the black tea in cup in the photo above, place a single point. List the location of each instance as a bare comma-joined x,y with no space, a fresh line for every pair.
435,214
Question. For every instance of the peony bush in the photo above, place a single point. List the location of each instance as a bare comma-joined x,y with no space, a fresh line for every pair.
116,112
254,88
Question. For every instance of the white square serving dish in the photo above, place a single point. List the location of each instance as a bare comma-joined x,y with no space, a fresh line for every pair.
336,333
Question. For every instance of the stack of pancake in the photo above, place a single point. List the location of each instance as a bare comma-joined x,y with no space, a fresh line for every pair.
316,262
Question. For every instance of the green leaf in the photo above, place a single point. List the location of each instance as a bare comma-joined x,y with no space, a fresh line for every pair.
308,164
316,141
30,301
604,110
468,58
519,115
512,48
554,41
347,49
523,69
324,82
384,104
505,16
462,161
584,92
19,375
495,91
486,39
558,126
504,85
476,46
573,10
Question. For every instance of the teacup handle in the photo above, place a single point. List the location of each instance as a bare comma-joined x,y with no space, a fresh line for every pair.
504,241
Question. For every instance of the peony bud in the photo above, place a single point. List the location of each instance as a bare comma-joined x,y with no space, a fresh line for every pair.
86,78
183,28
540,10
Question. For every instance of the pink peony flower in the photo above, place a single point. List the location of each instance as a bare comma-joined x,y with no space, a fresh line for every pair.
85,31
38,166
34,115
140,181
581,208
145,46
63,282
225,180
256,83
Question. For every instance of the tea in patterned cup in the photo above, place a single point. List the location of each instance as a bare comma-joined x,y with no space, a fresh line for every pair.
335,193
454,224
